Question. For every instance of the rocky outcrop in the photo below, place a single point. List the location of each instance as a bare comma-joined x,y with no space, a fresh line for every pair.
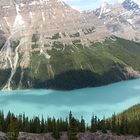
130,72
3,136
81,136
101,136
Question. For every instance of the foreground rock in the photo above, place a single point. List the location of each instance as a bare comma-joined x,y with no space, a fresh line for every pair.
3,136
81,136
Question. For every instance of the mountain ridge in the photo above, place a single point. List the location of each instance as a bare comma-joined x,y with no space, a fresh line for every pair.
121,19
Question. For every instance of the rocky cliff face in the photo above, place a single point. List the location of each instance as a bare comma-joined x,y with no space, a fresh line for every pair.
47,44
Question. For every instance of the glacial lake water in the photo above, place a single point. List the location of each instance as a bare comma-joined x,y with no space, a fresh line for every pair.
101,101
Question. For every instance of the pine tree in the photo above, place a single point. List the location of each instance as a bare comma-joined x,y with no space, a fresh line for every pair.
135,130
42,125
73,128
113,123
94,124
108,124
82,127
123,125
103,125
20,126
13,130
37,128
55,133
49,126
66,124
2,122
118,131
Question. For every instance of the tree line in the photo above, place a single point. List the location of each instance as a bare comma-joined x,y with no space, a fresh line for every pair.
118,124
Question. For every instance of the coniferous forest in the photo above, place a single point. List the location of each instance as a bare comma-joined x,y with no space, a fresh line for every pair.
124,123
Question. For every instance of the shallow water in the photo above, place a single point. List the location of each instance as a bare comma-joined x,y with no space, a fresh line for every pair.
84,102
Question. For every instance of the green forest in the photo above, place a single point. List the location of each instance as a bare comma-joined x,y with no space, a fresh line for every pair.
124,123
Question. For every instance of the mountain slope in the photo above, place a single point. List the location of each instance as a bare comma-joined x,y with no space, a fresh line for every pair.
78,66
47,44
35,26
122,19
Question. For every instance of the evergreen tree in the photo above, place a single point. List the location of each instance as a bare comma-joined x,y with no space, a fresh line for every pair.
20,126
118,131
135,130
37,128
42,125
13,130
113,123
103,125
2,122
82,127
49,125
73,128
108,125
123,125
55,133
94,124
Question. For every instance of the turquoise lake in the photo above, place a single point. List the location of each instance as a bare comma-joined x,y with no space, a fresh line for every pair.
84,102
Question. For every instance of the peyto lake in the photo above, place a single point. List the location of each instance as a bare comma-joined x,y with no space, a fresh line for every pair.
84,102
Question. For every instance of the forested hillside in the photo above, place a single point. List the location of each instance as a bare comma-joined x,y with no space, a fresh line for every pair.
125,123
